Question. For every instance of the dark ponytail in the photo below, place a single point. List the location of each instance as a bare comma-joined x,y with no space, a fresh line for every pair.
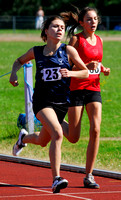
72,19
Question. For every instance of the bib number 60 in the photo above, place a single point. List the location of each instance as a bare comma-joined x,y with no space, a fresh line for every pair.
96,71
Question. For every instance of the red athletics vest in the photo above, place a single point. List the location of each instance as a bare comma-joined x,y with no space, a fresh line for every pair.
88,53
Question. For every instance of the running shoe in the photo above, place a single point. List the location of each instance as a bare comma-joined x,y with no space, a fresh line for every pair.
17,148
89,182
58,184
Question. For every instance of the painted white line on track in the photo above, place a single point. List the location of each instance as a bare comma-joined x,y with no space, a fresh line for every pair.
42,195
20,196
105,192
39,190
28,188
72,196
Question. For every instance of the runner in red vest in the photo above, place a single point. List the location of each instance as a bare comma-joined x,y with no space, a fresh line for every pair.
86,92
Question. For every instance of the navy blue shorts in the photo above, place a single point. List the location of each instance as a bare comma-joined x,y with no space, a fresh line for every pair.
83,97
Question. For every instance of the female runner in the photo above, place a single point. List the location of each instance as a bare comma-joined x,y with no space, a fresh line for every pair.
54,62
86,92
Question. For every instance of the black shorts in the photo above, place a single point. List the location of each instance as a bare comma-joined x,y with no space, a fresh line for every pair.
60,109
83,97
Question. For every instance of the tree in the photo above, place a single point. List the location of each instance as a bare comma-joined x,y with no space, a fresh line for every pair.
30,7
19,7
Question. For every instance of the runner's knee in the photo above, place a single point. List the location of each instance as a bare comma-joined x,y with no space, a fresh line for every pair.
95,132
57,134
44,144
73,139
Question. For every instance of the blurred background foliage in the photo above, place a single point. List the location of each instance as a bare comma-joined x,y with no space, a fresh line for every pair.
50,7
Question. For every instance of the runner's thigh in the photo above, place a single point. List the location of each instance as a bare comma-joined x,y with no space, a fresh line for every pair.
49,120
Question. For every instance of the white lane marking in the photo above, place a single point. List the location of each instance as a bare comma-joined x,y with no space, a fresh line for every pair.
39,190
108,192
71,195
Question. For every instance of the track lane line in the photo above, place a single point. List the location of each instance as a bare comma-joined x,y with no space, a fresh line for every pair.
39,190
105,192
71,195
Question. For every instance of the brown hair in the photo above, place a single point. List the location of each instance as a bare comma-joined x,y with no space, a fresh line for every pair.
46,25
72,19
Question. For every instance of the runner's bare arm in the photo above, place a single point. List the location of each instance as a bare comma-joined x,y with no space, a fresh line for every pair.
29,55
74,58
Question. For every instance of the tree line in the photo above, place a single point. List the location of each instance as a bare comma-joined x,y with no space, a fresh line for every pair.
50,7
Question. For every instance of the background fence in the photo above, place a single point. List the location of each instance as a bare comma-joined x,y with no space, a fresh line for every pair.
28,22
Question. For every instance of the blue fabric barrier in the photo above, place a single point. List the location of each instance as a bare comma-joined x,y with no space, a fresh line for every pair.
21,121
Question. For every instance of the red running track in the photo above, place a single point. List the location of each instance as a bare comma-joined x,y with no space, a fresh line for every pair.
27,182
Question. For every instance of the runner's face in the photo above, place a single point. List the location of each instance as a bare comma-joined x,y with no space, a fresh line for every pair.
56,30
90,21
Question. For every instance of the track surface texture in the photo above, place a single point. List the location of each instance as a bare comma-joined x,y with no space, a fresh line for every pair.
21,181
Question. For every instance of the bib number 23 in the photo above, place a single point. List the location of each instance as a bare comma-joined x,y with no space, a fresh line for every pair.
51,74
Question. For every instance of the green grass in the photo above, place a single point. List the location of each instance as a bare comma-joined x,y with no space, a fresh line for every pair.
19,31
12,103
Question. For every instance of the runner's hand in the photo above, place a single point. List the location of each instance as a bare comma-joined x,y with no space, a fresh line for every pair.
92,65
14,80
65,72
106,71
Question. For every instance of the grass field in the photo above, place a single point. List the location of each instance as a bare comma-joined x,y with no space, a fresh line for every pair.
12,103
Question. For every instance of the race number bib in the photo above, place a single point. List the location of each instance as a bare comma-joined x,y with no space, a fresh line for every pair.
51,74
96,71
